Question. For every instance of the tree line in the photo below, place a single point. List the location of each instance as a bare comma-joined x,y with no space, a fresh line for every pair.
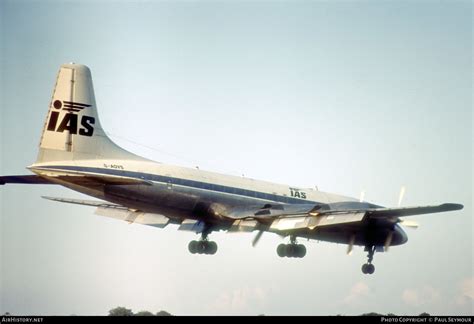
122,311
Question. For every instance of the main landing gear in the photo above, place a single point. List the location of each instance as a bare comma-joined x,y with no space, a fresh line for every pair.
203,246
291,250
369,268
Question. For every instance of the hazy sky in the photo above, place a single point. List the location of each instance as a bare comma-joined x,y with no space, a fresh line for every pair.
348,96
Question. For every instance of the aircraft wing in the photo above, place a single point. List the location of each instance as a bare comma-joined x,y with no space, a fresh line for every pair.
292,217
280,218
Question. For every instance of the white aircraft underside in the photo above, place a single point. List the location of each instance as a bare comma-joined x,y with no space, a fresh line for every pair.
75,153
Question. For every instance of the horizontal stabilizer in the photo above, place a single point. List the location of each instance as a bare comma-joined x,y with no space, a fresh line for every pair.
85,179
93,203
151,219
24,179
118,212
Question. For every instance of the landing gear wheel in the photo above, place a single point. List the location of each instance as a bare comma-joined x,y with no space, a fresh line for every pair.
193,247
211,248
300,251
364,268
291,250
370,269
201,247
281,250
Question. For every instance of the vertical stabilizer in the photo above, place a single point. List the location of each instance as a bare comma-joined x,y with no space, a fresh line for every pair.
72,130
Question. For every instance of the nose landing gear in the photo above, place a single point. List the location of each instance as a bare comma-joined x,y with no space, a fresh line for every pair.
369,268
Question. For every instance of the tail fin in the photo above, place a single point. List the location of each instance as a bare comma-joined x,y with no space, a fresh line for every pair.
72,130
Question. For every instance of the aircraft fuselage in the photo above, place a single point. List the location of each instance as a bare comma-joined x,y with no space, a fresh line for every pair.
178,193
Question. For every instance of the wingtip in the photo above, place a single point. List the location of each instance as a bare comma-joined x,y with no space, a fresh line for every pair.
452,206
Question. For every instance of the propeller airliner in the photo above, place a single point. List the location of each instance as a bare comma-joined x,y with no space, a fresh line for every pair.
76,153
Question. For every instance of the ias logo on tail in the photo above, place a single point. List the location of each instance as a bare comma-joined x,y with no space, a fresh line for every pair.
69,105
70,120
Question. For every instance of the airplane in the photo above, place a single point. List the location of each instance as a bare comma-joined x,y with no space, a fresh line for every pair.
76,153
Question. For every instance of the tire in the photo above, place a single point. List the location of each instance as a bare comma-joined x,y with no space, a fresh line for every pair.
370,268
211,248
300,251
192,247
201,247
281,250
364,268
291,250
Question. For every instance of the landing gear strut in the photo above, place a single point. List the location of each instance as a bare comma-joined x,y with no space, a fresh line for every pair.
369,268
203,246
292,250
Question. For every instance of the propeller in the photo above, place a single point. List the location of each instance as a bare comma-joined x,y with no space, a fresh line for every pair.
351,244
400,196
362,195
409,223
406,223
388,241
257,238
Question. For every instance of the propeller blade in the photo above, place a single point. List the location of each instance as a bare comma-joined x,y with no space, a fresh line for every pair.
351,245
409,223
362,195
257,238
400,197
388,241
